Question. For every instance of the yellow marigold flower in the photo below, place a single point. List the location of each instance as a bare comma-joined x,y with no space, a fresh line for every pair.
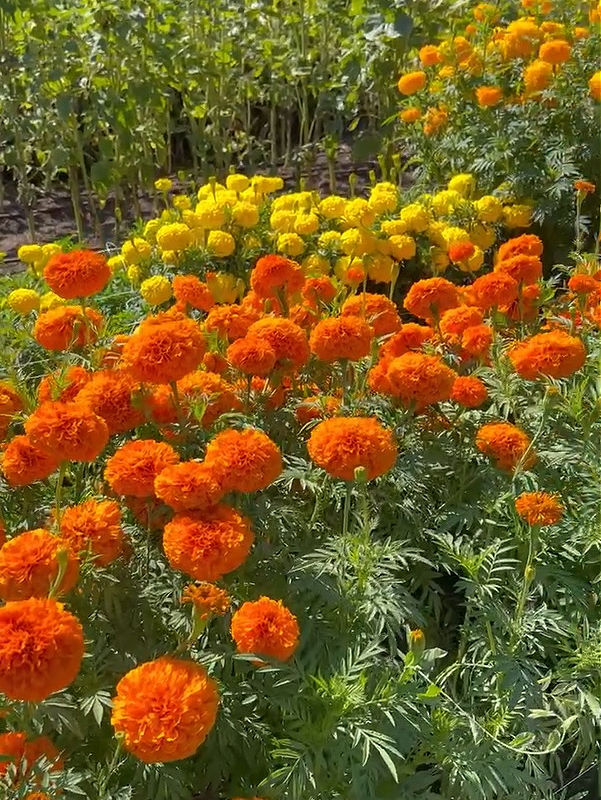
557,51
285,202
175,236
464,184
594,85
210,215
453,234
282,221
483,236
316,265
393,227
329,240
221,244
170,257
290,244
273,184
402,247
382,202
226,198
156,290
245,214
357,242
332,207
182,202
23,300
488,208
517,216
445,201
163,184
49,300
28,253
225,288
474,262
237,182
412,82
381,268
439,259
209,190
116,263
580,32
306,223
435,233
537,76
445,73
150,230
357,212
136,250
415,217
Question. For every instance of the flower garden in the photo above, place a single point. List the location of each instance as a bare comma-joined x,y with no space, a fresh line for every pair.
300,491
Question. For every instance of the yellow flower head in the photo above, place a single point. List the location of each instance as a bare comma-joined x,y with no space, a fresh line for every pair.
381,268
357,212
464,184
175,236
210,215
445,201
135,250
23,301
393,227
415,217
517,216
316,265
332,207
237,182
116,263
402,247
245,214
489,208
156,290
29,253
306,224
163,184
225,288
49,300
282,221
150,230
181,202
290,244
221,244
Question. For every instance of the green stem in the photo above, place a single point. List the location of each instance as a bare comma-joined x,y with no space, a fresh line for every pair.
58,492
347,510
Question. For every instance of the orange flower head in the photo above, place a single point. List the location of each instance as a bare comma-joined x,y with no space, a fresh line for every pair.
526,307
377,310
377,378
272,273
411,114
94,526
344,444
207,396
10,404
252,356
164,349
495,289
341,338
246,460
489,96
208,544
17,748
506,444
69,431
316,407
287,339
165,709
555,51
469,391
80,273
523,269
231,322
456,320
66,327
419,380
63,386
584,187
24,463
189,485
304,315
135,465
110,393
29,565
431,297
214,362
41,647
476,340
410,336
429,55
320,289
190,291
412,82
525,245
539,508
207,599
461,251
555,354
267,628
583,284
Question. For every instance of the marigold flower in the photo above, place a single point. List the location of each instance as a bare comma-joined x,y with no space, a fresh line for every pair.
555,51
378,311
208,544
94,526
419,380
429,55
156,290
208,394
66,326
320,289
528,244
164,349
71,431
173,237
24,463
522,268
343,444
410,336
287,339
188,485
79,273
316,407
539,508
16,748
214,362
10,404
110,393
246,460
583,284
456,320
135,465
469,391
266,627
495,289
461,251
431,297
594,85
273,272
23,301
338,338
476,340
555,354
29,565
231,321
252,355
190,291
412,82
537,76
411,114
63,386
165,709
506,444
207,599
489,96
41,647
585,187
524,308
220,244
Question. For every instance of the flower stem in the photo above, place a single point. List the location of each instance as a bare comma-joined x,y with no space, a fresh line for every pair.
58,492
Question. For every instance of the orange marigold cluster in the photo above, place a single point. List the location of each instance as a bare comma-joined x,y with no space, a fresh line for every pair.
506,444
431,297
495,290
189,485
111,394
342,445
469,391
267,628
67,327
341,338
272,273
21,752
10,404
207,396
419,380
527,244
30,563
379,312
555,354
79,273
231,321
94,526
24,463
207,599
69,431
316,407
135,465
190,291
245,461
524,269
539,508
286,338
252,356
63,386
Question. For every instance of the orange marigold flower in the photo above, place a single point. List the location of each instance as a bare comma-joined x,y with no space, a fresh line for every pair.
522,268
164,349
489,96
580,283
495,289
506,444
411,114
344,444
316,407
110,393
469,391
461,251
162,405
41,647
79,273
304,315
16,748
288,340
10,404
63,386
378,311
272,273
266,627
135,465
208,544
252,356
188,485
65,327
419,380
555,51
24,463
94,526
165,709
431,297
539,508
412,82
410,336
214,362
70,431
338,338
555,354
246,460
29,565
429,55
525,245
191,291
207,394
456,320
231,321
377,378
476,340
526,306
207,599
319,289
586,187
